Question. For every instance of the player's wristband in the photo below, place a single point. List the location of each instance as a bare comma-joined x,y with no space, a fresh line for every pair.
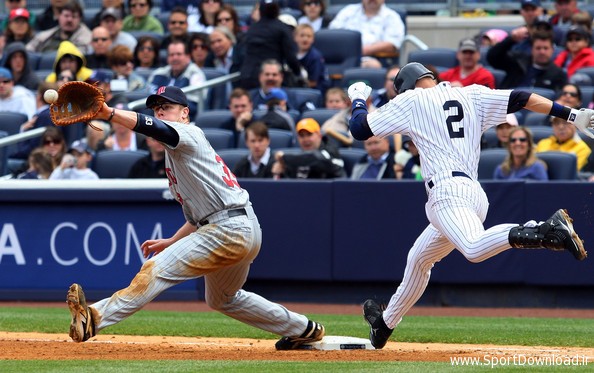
111,115
563,112
358,104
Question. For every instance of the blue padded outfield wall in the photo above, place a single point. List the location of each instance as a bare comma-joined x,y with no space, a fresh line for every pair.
53,234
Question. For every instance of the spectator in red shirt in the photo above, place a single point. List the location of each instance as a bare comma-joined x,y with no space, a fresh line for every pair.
469,71
577,53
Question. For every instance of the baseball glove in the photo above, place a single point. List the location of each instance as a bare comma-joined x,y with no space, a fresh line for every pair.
77,102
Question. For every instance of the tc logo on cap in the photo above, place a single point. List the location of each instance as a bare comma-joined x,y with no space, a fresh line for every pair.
161,90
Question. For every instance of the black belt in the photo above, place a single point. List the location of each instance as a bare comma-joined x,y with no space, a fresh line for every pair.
230,214
454,173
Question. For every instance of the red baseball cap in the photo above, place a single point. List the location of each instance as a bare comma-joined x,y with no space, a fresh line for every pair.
20,12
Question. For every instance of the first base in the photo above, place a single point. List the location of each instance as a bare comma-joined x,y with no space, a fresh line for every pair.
337,342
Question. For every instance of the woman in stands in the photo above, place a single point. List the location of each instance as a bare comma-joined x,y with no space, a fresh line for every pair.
577,53
199,48
314,14
570,95
54,144
120,61
205,20
521,161
146,53
18,28
227,16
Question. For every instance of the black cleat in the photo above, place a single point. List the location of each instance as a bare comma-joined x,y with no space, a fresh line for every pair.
379,332
313,333
82,326
562,236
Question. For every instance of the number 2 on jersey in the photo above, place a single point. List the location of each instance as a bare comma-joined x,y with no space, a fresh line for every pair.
229,178
457,132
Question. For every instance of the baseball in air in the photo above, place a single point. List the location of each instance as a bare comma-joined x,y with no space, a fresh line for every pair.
50,96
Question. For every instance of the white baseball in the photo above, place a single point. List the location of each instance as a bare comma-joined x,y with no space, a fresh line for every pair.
50,96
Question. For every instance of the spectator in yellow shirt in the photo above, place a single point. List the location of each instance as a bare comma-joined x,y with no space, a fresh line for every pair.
564,139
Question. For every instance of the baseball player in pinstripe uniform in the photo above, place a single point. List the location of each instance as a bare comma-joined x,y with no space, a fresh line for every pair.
446,124
219,240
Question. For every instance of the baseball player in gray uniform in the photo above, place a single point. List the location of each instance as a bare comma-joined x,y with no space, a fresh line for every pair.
219,240
446,124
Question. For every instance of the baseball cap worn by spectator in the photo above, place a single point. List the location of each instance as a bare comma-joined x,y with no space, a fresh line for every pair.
81,147
468,45
168,93
111,12
578,31
5,73
531,3
19,13
99,76
277,94
308,124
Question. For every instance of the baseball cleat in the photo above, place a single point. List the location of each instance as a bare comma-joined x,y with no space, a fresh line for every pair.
379,332
82,326
313,333
562,236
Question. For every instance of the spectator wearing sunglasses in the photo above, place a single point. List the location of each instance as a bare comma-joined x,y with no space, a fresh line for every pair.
577,53
146,53
314,14
199,48
101,43
15,98
177,26
521,162
140,18
227,16
571,95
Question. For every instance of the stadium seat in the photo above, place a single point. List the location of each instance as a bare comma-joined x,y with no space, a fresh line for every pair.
375,78
138,34
219,138
488,162
116,164
303,99
320,115
587,94
46,61
542,132
560,165
440,58
341,50
217,97
213,118
34,58
532,119
589,71
545,92
351,156
278,139
489,138
42,74
232,156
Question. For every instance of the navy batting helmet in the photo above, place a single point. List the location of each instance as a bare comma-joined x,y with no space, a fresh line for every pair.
408,75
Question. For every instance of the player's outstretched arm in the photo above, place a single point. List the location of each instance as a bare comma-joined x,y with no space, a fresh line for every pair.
582,119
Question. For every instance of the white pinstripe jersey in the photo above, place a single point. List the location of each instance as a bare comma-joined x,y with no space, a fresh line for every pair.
445,124
198,178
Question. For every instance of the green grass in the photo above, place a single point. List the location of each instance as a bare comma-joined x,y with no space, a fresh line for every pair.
423,329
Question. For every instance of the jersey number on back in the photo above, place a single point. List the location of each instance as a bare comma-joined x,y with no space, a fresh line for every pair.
456,131
228,178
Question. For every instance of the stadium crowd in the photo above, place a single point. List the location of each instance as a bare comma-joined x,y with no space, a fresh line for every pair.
286,116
